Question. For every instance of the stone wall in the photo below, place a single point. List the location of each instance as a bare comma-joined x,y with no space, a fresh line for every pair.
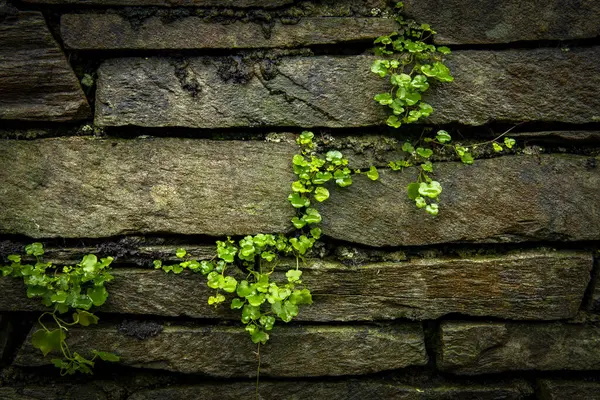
131,128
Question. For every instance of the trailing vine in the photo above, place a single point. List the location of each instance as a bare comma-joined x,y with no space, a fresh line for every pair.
262,300
75,288
411,61
243,271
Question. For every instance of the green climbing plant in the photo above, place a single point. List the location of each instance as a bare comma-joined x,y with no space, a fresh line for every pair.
246,270
73,289
411,62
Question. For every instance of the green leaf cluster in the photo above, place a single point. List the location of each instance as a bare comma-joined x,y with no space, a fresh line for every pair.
262,300
411,62
71,287
425,191
66,288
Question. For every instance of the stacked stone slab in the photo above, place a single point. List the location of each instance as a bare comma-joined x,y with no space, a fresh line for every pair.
504,282
36,81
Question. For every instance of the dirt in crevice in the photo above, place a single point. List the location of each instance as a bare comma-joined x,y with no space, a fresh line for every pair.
187,77
140,329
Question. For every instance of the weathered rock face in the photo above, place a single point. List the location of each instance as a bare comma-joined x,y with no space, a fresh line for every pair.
507,199
342,390
111,31
471,348
512,85
418,289
76,187
227,352
36,82
473,21
95,188
172,3
562,389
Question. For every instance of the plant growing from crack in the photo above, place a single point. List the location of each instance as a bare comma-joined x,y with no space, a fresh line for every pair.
246,269
71,288
261,299
411,62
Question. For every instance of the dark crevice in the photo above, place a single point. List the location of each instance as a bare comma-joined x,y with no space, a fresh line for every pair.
528,44
431,333
588,302
126,250
548,133
17,325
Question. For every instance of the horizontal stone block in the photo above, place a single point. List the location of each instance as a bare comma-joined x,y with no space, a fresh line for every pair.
170,3
81,187
475,21
471,348
342,390
228,352
36,81
326,91
111,31
532,285
564,389
506,199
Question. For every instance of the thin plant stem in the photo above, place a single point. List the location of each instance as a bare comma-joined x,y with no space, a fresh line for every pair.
258,371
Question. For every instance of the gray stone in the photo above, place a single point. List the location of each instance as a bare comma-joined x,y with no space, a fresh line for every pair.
81,187
563,389
36,81
111,31
476,21
471,348
534,285
326,91
506,199
228,351
171,3
341,390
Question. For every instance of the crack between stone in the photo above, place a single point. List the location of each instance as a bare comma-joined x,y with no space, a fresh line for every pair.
290,98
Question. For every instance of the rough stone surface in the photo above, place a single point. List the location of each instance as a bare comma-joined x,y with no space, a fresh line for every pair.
563,389
471,348
80,187
476,21
36,81
327,91
111,31
342,390
507,199
228,352
529,285
171,3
